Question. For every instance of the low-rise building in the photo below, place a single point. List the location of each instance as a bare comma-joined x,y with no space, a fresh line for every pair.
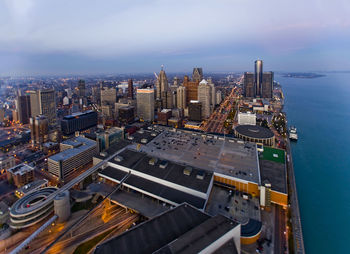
30,187
246,118
21,174
164,116
7,162
183,229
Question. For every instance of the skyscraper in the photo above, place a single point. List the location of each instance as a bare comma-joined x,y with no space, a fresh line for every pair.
162,88
145,104
39,127
258,77
48,105
249,84
181,97
81,88
267,85
130,89
204,96
108,96
191,89
43,102
213,93
197,74
23,108
195,111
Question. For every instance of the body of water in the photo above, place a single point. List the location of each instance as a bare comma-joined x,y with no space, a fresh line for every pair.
320,109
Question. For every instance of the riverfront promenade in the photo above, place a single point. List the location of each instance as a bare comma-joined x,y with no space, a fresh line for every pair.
294,203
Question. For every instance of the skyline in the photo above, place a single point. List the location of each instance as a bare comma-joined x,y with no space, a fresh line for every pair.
83,37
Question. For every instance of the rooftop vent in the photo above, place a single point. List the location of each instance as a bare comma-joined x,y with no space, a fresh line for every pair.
118,158
163,164
187,171
200,175
153,161
103,154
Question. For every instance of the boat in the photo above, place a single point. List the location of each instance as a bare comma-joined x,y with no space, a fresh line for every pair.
293,135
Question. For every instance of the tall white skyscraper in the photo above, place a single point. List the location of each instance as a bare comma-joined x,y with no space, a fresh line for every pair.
204,96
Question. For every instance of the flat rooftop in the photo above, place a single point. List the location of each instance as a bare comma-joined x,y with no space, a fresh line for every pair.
20,169
80,144
227,156
32,186
130,199
206,232
148,135
154,188
273,169
182,229
120,144
173,172
78,114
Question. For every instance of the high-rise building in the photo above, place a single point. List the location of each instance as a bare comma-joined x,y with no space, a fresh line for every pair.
108,96
218,97
39,127
195,111
2,114
130,89
75,154
213,93
191,89
43,102
81,88
204,96
258,77
78,122
23,108
162,89
48,105
267,85
145,104
197,74
96,95
181,97
249,84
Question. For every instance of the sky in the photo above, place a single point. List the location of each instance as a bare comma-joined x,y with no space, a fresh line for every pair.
121,36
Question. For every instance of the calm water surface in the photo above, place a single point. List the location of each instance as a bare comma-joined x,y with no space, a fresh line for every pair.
320,109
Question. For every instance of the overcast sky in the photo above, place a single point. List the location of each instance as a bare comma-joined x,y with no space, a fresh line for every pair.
117,36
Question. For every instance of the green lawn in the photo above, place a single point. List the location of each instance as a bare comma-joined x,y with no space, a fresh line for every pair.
273,154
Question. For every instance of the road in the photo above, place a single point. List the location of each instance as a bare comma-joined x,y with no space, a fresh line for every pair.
215,123
280,230
294,203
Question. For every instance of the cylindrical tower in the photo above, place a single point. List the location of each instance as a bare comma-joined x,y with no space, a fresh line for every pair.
62,206
258,76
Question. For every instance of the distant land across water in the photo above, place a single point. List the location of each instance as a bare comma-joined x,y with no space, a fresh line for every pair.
302,75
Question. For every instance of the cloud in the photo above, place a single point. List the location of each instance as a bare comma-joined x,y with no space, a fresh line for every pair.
112,29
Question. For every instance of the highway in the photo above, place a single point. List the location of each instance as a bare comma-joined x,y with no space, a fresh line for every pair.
294,203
